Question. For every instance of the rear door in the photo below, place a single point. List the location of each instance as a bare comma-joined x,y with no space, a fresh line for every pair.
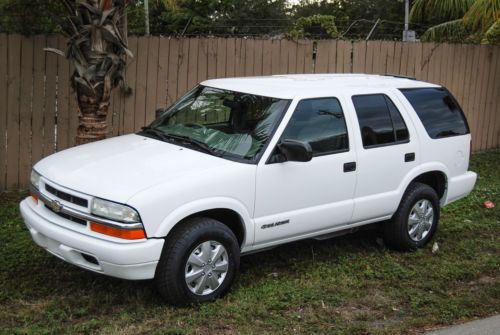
387,151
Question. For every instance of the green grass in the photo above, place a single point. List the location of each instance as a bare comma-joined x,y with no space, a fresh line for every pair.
347,285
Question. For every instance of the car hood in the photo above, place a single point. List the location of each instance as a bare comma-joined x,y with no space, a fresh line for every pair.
119,167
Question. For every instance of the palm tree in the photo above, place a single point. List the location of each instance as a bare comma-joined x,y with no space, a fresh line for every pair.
462,20
97,47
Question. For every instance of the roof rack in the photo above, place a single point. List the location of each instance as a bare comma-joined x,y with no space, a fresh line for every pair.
400,76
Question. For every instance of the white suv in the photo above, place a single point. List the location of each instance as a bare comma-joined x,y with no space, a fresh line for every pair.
242,164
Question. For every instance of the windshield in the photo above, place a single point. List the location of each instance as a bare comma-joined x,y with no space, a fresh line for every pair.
220,122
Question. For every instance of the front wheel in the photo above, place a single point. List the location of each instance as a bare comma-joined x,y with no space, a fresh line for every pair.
415,220
198,263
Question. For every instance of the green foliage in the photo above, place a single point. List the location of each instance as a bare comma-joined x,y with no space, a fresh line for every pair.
458,20
492,35
314,25
346,285
30,17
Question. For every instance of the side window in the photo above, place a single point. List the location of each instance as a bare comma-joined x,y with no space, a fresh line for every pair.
321,123
438,111
379,120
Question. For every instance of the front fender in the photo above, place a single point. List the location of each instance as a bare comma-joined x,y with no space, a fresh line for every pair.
201,205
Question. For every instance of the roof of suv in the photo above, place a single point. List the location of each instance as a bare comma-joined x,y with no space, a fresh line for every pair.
288,86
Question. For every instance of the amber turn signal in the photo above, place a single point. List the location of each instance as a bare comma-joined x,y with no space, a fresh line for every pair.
135,234
35,198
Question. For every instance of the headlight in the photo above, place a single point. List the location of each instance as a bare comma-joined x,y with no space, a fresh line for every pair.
35,179
114,211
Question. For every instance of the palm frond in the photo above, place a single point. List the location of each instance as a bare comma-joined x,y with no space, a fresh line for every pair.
492,35
439,9
482,14
451,31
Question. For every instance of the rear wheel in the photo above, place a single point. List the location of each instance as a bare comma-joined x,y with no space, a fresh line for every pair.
198,263
415,220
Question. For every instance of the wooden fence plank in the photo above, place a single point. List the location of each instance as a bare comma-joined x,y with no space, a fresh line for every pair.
38,98
474,89
481,98
182,77
267,57
332,57
322,56
416,49
25,111
50,98
212,58
292,56
141,83
230,57
202,60
4,97
13,83
301,52
221,57
344,57
275,56
493,126
240,57
192,75
369,55
358,56
378,58
488,108
249,56
130,77
152,79
161,85
308,61
63,92
259,58
173,61
283,65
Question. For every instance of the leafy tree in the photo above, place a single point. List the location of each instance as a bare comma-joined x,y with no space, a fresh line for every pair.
29,17
315,25
355,18
459,20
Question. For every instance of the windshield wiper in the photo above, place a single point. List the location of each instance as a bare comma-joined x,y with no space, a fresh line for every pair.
156,133
199,144
181,138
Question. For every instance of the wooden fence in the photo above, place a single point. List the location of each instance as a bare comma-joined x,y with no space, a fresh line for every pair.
38,115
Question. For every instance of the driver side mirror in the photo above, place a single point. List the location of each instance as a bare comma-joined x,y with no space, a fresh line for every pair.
158,112
296,151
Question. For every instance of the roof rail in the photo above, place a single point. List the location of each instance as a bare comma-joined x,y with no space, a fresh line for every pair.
400,76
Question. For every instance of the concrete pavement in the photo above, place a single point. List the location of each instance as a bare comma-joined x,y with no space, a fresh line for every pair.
488,326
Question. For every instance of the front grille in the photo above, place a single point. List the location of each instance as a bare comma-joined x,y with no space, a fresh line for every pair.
68,217
66,196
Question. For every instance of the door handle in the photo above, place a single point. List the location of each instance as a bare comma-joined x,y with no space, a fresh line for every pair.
410,157
349,167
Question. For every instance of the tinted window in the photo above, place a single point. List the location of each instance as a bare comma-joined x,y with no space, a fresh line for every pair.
438,111
379,120
321,123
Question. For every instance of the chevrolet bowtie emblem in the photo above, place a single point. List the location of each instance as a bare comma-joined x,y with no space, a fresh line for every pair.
56,206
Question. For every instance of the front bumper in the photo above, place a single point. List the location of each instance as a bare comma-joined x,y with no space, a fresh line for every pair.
128,260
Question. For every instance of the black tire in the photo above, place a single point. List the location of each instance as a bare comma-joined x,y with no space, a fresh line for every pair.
181,242
396,234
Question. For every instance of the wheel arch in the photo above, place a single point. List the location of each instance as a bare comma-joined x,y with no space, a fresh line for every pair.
433,174
228,211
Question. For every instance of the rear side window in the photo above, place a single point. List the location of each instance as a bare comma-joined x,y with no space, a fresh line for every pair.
379,120
321,123
438,110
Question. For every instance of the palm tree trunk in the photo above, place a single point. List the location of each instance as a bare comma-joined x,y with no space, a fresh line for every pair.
92,125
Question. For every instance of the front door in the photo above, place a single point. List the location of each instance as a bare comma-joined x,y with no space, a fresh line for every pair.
297,199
